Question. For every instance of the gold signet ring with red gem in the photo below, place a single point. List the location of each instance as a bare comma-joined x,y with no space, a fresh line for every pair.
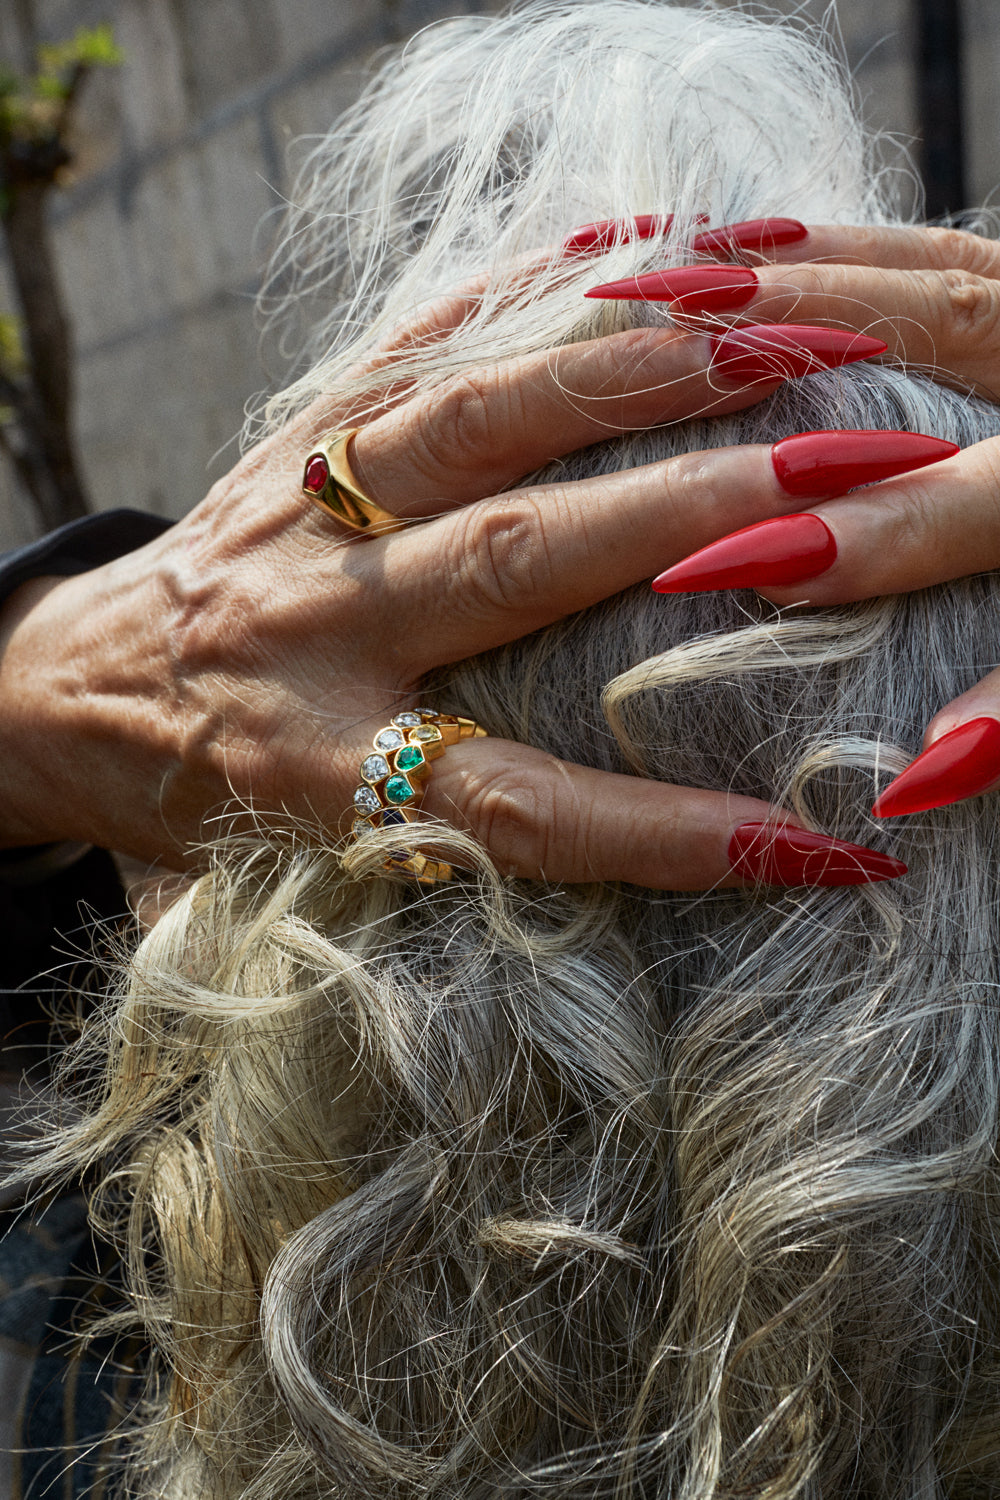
392,778
329,480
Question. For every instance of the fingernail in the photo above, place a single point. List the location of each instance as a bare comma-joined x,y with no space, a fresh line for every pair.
605,233
787,550
751,234
763,352
693,288
821,464
965,762
792,856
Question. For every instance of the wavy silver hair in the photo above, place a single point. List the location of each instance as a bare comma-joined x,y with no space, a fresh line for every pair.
499,1190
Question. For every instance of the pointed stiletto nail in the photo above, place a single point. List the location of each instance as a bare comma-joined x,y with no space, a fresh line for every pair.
752,234
591,239
693,288
817,465
779,855
787,550
764,352
965,762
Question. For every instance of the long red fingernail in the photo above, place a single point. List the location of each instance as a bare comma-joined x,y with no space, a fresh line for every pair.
602,235
787,550
751,234
778,855
821,464
693,288
763,352
965,762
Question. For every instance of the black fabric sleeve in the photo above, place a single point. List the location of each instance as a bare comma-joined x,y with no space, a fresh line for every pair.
51,895
79,546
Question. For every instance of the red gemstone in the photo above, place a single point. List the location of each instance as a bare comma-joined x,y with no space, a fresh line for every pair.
317,473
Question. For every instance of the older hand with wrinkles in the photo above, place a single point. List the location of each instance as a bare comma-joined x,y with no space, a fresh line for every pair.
933,297
252,652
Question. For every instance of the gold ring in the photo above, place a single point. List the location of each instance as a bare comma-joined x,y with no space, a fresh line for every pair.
392,781
329,480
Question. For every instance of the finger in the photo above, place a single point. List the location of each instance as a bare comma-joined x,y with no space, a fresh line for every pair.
543,818
482,430
782,240
430,323
945,321
449,311
492,572
897,247
904,534
960,758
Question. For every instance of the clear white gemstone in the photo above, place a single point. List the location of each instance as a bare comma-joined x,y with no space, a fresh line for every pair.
389,739
407,720
361,828
366,800
374,768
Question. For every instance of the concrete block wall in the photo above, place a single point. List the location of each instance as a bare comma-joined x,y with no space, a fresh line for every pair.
182,152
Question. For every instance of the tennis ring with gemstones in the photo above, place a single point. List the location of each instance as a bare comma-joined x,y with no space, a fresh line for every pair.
329,480
392,781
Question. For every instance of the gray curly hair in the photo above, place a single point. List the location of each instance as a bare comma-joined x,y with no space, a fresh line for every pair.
504,1190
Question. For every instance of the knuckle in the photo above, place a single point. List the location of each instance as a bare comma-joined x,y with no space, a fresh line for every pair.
959,249
808,280
630,378
627,351
697,494
913,524
460,425
644,360
508,814
502,554
516,818
920,527
989,459
972,303
988,475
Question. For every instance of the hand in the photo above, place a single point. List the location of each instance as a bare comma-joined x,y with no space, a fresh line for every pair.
933,296
252,652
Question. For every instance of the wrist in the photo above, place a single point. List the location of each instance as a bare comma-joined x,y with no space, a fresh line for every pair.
29,797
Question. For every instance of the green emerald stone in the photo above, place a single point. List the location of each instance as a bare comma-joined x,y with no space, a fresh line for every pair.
408,757
397,789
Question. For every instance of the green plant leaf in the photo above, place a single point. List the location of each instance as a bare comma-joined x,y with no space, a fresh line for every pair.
94,46
11,345
51,86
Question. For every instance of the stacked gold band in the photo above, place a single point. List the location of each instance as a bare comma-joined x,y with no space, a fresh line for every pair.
329,480
393,776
